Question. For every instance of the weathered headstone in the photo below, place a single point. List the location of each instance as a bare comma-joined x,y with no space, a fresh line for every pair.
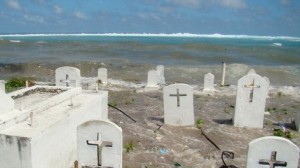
251,71
209,82
67,76
297,121
7,104
102,75
271,152
152,79
252,91
160,74
178,105
2,85
99,143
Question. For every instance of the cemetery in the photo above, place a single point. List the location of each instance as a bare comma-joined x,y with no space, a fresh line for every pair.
95,122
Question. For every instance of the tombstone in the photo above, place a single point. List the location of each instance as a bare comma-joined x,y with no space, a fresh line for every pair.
7,103
297,121
99,143
223,73
102,75
252,91
251,71
2,85
272,152
209,82
152,79
160,74
67,76
178,105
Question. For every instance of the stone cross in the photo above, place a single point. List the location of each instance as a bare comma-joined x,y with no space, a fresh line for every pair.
252,86
178,97
67,81
272,162
100,144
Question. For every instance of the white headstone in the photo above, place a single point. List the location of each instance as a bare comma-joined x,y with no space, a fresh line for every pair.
102,75
67,76
160,69
178,105
268,81
99,143
7,104
272,152
252,91
152,79
2,85
297,121
223,73
209,82
251,71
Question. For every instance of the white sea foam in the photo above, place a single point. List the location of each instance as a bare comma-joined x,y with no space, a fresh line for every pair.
15,41
277,44
216,35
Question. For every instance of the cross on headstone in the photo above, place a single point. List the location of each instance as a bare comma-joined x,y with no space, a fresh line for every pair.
252,86
67,81
178,97
272,162
100,144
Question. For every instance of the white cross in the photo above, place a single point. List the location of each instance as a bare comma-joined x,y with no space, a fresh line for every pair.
100,144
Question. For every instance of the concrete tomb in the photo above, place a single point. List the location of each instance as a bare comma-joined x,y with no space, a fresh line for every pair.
209,82
271,152
178,105
67,76
152,79
160,69
102,75
7,104
44,132
99,144
252,91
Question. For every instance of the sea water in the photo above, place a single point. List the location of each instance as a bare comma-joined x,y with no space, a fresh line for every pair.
186,57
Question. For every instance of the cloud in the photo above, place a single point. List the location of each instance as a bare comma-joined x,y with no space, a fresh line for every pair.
239,4
57,9
187,3
33,18
80,15
13,4
285,2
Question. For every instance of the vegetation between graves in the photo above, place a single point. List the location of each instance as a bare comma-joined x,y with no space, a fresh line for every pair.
17,82
129,146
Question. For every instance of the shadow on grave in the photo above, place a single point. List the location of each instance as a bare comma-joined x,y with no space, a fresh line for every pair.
223,121
290,125
156,118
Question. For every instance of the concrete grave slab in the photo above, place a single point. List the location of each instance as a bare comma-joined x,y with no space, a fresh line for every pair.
152,79
102,75
99,144
178,105
209,82
67,76
252,91
271,151
160,69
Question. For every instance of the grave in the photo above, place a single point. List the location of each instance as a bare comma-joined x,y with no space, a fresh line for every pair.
178,105
7,103
160,69
99,144
152,79
297,121
41,131
2,85
67,76
272,152
209,82
252,91
102,75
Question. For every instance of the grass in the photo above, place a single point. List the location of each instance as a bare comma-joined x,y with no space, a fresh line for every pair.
199,123
129,146
17,82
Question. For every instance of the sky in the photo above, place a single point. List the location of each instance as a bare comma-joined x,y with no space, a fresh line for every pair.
247,17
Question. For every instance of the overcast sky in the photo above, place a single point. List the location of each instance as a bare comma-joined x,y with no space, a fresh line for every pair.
250,17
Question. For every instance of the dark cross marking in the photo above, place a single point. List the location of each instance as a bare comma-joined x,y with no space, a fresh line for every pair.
178,97
272,162
100,144
252,86
67,81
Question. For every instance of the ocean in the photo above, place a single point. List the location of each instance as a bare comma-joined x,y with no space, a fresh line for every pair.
186,57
